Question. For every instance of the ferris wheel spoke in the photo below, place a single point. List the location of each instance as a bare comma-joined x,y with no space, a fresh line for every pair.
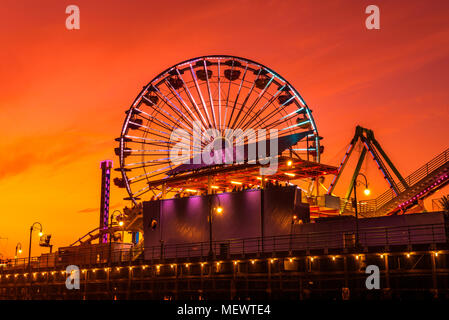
161,143
238,94
294,113
200,95
254,104
210,94
143,154
153,189
149,161
275,111
177,112
227,97
219,97
262,109
144,178
161,134
165,114
154,144
175,109
149,165
297,125
161,123
245,101
137,194
145,151
148,139
146,174
181,100
192,100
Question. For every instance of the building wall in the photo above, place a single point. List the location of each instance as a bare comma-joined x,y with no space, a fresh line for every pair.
389,230
186,220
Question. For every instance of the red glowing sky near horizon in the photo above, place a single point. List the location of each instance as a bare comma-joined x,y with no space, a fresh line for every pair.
63,93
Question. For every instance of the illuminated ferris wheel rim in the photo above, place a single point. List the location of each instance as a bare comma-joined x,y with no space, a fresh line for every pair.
156,81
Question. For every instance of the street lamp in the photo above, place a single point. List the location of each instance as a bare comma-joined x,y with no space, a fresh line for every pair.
120,223
31,234
355,205
18,249
218,209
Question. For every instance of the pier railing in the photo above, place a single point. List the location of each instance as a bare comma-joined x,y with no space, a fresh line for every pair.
337,239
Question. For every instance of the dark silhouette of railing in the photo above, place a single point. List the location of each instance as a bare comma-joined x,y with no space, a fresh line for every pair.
378,236
337,239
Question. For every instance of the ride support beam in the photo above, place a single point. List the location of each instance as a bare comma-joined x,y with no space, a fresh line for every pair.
354,177
382,166
341,166
387,159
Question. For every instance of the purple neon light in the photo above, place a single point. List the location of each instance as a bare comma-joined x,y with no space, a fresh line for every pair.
380,168
106,165
419,195
339,167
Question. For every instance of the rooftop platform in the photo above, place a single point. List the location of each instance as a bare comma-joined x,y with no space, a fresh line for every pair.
289,169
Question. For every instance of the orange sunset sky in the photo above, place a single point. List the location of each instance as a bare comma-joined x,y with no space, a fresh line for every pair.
63,93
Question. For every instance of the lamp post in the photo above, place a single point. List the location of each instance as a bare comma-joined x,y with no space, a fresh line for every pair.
31,234
355,205
212,208
18,249
120,223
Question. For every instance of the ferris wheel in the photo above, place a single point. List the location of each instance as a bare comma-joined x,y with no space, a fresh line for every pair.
221,92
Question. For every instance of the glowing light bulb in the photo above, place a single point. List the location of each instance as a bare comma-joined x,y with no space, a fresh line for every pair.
367,192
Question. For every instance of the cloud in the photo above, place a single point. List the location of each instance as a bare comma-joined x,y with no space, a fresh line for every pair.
53,150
